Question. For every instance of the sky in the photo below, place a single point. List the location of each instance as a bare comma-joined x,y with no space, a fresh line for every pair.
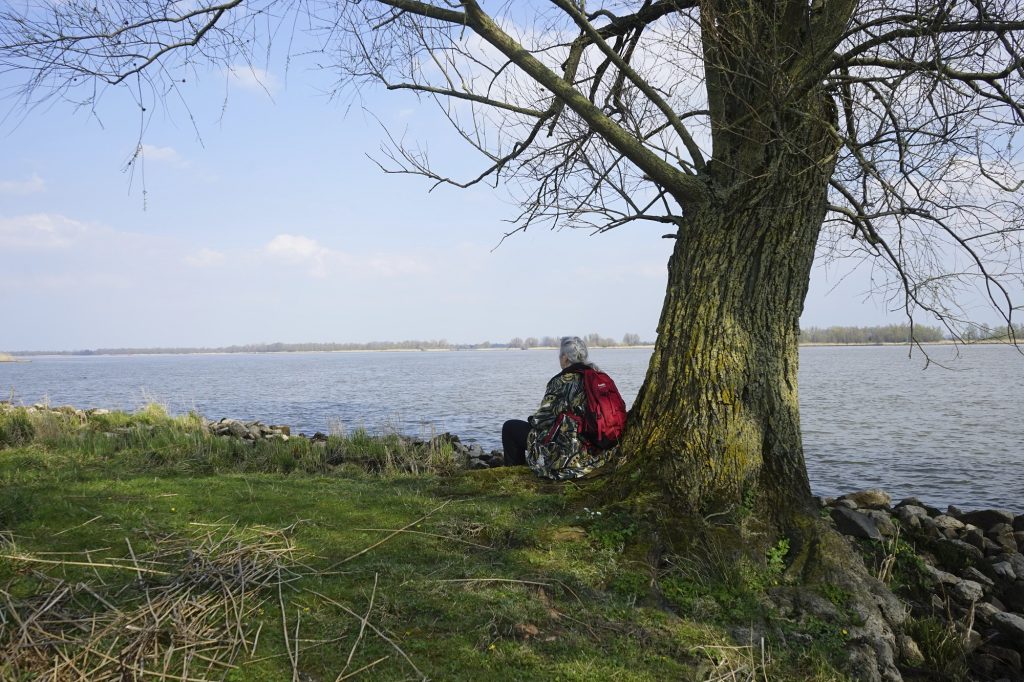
255,215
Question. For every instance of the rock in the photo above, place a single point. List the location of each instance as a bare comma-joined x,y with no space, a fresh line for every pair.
237,429
855,524
1018,522
949,526
939,576
967,591
569,534
870,499
1016,560
97,412
1004,571
971,573
972,641
955,512
882,519
993,662
1011,626
986,518
477,464
910,511
476,452
928,527
255,433
1019,537
845,504
1002,535
984,611
973,535
957,554
991,548
1013,595
910,652
282,429
915,502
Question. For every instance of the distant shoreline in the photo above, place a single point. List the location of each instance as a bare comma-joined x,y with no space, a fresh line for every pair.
22,356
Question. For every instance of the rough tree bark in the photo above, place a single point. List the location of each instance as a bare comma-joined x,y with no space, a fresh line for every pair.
718,419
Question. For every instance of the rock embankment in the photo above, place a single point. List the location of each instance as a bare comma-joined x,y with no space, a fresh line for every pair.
968,566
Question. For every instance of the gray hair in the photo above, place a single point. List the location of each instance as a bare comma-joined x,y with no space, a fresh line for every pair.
574,350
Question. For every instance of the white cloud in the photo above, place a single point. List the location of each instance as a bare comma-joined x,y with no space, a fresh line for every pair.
204,258
252,78
163,155
40,231
302,251
393,265
30,186
319,260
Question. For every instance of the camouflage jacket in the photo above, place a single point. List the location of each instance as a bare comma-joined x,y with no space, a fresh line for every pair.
555,447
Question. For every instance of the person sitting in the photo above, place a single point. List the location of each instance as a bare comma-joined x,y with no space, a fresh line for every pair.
551,442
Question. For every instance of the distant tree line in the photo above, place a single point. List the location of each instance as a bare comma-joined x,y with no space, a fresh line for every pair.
892,333
593,340
984,332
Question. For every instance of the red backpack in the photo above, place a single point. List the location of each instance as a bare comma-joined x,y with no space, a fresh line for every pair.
606,410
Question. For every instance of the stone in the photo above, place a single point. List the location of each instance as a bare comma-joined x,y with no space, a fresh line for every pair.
237,429
97,412
1011,626
929,528
282,429
939,576
993,662
949,526
984,611
967,591
911,511
476,452
1002,535
1013,595
1004,571
960,550
882,519
1016,560
477,464
853,523
972,641
569,534
973,535
846,504
910,652
992,548
1018,522
986,518
870,499
971,573
955,512
915,502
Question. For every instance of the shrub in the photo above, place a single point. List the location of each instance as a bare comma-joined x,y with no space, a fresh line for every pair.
16,428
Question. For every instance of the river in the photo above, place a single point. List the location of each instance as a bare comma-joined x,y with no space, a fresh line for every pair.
871,416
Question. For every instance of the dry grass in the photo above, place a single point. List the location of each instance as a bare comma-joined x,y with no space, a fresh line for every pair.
187,611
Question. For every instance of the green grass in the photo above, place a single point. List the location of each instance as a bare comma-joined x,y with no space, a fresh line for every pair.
504,577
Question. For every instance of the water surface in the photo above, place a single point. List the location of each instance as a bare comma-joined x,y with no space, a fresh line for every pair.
871,416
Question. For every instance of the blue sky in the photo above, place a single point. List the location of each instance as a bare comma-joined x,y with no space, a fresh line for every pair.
271,224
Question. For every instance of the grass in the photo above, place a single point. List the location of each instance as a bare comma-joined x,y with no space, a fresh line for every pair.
390,563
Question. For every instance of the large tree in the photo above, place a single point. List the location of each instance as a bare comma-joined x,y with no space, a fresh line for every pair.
759,133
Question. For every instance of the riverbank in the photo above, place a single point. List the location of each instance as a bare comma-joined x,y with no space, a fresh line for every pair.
388,557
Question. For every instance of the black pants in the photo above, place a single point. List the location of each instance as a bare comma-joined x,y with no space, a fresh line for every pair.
513,440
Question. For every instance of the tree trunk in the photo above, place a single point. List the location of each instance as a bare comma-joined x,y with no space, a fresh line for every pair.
717,421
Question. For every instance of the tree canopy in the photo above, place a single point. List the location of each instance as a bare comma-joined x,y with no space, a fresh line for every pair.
603,114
